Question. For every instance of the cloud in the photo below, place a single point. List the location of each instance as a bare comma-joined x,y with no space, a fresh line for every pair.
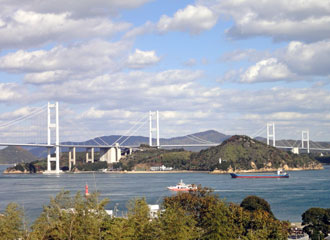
241,111
10,92
266,70
192,19
190,62
21,112
281,20
297,61
60,63
141,59
25,29
79,9
309,59
244,54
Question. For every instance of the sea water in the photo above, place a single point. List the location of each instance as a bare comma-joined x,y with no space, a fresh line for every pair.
288,198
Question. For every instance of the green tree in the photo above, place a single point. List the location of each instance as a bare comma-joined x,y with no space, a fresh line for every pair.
139,220
117,229
69,217
11,222
217,222
253,203
175,224
317,222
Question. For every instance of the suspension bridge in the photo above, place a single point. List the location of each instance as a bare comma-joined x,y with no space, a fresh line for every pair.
40,127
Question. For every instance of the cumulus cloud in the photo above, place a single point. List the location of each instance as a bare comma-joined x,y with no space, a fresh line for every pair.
266,70
29,29
297,61
310,59
192,19
279,19
59,63
141,59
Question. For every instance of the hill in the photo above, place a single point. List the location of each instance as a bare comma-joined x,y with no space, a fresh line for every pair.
12,154
243,153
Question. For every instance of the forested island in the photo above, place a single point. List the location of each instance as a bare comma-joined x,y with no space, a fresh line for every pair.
238,153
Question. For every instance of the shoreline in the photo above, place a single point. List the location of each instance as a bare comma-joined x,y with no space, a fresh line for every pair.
318,167
177,171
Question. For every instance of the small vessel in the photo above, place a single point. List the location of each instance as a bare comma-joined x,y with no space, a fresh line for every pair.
280,174
181,186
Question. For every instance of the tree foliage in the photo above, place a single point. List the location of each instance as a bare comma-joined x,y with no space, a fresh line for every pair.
11,222
254,203
317,222
186,216
69,217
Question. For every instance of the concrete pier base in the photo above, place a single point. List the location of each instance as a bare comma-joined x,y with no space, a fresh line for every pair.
91,158
72,157
111,154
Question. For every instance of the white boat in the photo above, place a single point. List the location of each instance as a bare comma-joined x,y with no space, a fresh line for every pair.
181,186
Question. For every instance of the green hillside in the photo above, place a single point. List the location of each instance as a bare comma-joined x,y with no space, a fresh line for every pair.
244,153
15,155
143,160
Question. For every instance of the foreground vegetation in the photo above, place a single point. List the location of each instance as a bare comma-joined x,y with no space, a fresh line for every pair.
185,216
193,215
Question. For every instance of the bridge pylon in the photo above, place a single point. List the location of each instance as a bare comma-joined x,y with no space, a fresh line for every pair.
305,138
271,133
53,124
151,129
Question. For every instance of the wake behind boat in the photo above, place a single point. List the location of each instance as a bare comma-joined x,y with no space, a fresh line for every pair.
279,174
181,186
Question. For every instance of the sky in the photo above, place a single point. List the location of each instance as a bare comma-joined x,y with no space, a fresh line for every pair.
227,65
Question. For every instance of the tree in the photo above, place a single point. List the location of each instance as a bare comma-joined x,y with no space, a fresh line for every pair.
69,217
139,220
317,222
175,224
11,222
253,203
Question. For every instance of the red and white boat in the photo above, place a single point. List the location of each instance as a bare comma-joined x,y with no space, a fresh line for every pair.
181,186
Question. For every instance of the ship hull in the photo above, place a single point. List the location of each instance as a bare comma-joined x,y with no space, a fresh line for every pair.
181,189
234,175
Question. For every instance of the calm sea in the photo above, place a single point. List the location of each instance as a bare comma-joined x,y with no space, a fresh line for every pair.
288,198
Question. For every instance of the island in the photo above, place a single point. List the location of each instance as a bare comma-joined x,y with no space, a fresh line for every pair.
237,154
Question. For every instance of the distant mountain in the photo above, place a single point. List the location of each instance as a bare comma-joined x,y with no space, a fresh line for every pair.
209,136
15,155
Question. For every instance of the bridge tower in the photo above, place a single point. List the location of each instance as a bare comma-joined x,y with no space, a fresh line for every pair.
53,123
151,129
305,138
271,133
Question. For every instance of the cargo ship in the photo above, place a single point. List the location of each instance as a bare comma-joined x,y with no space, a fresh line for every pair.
279,174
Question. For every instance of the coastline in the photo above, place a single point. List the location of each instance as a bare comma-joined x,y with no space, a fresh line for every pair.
180,171
286,168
